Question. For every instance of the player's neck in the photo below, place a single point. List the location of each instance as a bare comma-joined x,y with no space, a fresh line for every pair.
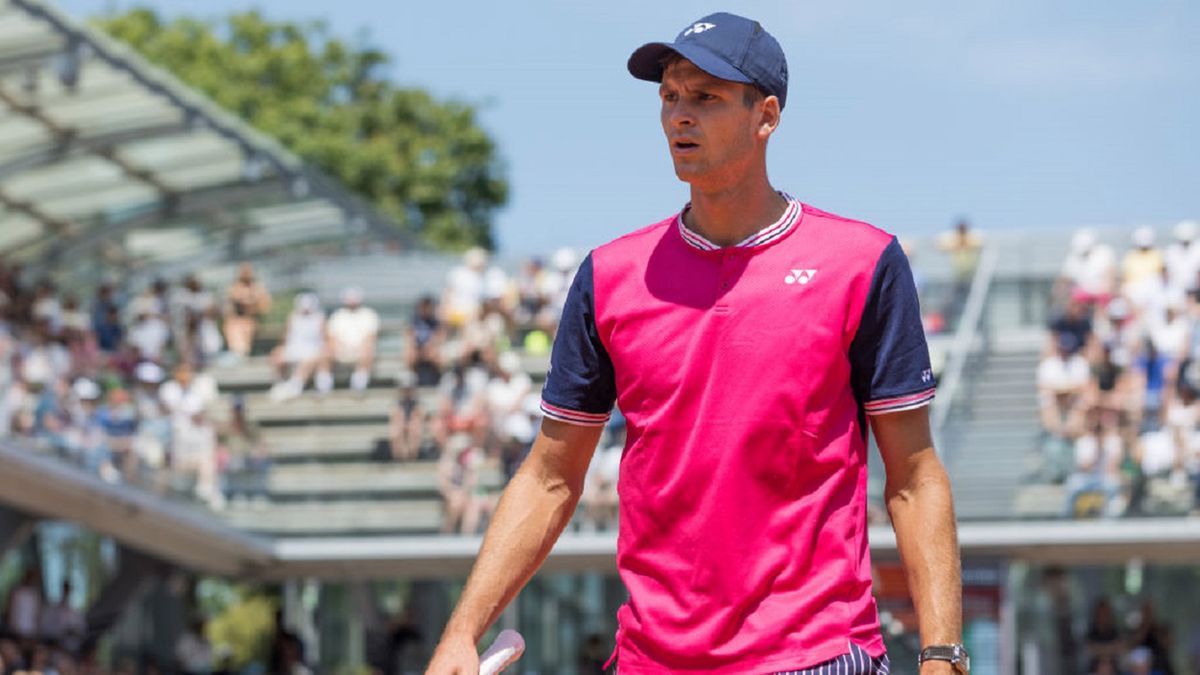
728,216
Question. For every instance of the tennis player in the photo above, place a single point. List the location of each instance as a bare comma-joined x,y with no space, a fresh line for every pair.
751,342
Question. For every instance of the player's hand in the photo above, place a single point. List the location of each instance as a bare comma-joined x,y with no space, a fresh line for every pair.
455,655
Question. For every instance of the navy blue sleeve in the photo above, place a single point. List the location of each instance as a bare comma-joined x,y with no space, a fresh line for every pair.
889,358
580,386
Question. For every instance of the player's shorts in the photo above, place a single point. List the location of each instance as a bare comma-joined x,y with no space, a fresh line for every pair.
857,662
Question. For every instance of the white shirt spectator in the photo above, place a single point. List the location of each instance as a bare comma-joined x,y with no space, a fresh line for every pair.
1158,452
1090,266
1170,333
350,329
150,335
306,330
45,363
1094,453
1183,257
190,400
1063,375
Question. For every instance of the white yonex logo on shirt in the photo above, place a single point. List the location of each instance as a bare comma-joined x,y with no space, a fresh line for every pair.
799,277
926,375
699,28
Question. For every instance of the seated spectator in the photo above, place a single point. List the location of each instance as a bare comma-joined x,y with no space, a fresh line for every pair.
1142,268
406,422
1110,385
1182,258
1062,379
118,419
150,333
188,398
44,360
353,331
464,502
199,340
462,407
1090,268
245,303
302,350
466,288
109,330
1153,380
1075,320
80,343
423,344
46,307
1098,455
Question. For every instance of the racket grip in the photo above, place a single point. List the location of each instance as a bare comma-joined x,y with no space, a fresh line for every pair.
507,648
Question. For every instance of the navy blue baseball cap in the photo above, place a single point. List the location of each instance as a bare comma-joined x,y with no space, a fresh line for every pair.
723,45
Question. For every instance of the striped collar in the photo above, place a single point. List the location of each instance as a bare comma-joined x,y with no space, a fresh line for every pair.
769,234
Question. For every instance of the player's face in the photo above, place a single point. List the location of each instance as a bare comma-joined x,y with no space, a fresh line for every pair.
713,135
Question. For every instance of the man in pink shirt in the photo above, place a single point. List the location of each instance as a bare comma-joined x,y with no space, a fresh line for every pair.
751,341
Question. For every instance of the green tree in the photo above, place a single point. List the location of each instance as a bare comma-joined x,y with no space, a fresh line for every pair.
426,163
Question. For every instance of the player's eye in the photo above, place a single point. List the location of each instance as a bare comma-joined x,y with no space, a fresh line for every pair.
705,96
670,96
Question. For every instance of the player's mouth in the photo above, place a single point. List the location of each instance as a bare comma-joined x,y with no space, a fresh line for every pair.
683,146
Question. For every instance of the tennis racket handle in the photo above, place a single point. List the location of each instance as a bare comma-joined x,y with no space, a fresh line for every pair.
507,647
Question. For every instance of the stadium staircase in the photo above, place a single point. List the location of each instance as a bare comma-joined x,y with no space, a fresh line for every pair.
994,437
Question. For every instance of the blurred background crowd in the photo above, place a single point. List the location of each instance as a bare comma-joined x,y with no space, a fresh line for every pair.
1119,379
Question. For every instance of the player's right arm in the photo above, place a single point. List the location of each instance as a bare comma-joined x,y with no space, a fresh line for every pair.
535,507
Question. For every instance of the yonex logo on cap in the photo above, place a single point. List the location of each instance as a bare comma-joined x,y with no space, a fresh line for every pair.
698,28
799,277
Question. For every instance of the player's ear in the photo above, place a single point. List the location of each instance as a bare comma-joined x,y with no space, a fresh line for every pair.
769,113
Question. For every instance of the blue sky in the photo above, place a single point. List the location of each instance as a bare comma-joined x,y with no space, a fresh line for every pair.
1015,113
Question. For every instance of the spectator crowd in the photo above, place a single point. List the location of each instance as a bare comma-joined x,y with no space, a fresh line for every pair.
1119,379
123,384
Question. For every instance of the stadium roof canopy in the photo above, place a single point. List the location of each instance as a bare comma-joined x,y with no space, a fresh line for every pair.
99,150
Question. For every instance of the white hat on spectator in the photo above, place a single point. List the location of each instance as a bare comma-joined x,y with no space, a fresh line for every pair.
1187,230
85,389
149,373
1083,240
308,302
352,295
475,258
564,259
1143,237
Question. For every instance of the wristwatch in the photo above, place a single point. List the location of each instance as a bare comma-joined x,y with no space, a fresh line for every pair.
955,654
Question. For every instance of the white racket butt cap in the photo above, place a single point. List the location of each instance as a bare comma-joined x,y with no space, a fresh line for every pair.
507,648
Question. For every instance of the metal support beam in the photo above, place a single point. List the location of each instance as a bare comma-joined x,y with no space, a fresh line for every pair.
56,226
99,144
15,528
64,135
135,572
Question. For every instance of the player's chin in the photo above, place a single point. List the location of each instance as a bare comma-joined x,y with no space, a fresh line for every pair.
687,171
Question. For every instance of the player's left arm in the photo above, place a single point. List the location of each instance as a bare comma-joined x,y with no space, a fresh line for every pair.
920,503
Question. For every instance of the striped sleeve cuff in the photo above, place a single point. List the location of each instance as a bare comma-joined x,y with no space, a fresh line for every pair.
582,419
899,403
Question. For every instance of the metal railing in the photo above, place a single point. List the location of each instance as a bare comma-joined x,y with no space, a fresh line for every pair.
970,337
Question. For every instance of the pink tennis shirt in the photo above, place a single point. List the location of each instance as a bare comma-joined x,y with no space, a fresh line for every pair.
745,374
